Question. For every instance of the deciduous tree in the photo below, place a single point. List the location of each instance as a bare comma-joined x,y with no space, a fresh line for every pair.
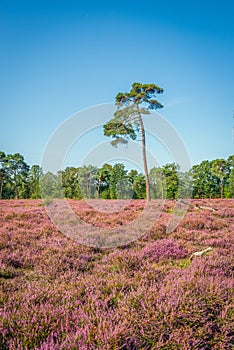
118,181
157,183
3,173
172,179
35,174
220,169
17,169
103,181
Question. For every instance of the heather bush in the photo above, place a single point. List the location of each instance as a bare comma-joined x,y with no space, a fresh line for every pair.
158,231
163,249
56,294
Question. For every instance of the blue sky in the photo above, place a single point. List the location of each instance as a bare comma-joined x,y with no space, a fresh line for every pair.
59,57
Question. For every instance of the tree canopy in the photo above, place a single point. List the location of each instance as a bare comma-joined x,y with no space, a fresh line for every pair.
204,180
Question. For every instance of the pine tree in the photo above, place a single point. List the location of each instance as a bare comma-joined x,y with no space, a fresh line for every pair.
127,122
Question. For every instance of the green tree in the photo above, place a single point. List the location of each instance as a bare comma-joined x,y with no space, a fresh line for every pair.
204,185
139,187
230,161
185,185
103,181
230,190
157,183
135,183
172,180
127,122
132,174
3,172
70,183
35,174
87,179
17,169
118,181
220,170
51,185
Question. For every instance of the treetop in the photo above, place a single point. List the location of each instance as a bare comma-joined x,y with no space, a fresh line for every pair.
140,93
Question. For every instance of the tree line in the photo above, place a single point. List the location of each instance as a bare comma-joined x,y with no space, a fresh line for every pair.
209,179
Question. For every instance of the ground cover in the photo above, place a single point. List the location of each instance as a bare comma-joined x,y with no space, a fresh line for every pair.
150,294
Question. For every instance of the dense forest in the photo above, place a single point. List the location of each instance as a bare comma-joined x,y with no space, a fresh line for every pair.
209,179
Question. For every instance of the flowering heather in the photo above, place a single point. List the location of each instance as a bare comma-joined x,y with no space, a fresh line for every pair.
163,249
56,294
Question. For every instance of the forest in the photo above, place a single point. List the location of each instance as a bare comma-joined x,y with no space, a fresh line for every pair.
209,179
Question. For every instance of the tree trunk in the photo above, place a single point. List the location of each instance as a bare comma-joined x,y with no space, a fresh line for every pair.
144,158
221,188
162,191
16,188
98,188
1,185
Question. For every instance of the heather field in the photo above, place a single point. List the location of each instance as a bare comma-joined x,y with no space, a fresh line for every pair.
154,293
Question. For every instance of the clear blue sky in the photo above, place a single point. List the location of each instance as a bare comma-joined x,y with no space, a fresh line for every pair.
59,57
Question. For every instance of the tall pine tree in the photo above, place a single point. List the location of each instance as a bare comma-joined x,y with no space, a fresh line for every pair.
127,122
